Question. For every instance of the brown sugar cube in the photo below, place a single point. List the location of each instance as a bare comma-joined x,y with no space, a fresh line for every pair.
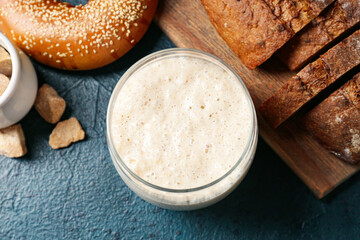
65,133
49,104
5,62
12,141
4,83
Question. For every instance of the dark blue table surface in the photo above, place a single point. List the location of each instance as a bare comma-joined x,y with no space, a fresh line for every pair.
76,193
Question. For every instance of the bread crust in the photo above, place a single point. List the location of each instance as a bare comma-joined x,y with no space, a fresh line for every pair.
255,29
336,122
312,79
331,24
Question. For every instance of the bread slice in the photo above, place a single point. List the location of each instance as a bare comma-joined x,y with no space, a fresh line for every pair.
336,20
296,14
336,121
256,29
312,79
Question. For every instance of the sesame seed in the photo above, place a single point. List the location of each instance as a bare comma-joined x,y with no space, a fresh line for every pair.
49,22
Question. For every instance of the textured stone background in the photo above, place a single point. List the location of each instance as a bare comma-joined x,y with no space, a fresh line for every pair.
76,193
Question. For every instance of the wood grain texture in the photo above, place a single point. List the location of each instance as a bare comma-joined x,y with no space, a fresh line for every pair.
188,26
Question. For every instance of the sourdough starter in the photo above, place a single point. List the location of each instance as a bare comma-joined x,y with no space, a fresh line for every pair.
181,122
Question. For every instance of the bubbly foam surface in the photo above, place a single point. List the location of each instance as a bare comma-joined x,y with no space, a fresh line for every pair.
181,122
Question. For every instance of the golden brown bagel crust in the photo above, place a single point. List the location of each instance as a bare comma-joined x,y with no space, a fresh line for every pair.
80,37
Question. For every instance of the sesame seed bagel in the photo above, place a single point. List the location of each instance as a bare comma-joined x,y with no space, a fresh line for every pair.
80,37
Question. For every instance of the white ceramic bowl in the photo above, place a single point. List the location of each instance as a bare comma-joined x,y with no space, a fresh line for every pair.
20,95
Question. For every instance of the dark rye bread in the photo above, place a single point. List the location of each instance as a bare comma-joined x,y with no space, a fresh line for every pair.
312,79
296,14
336,122
334,21
256,29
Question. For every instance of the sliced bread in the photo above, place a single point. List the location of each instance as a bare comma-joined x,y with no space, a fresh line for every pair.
331,24
256,29
336,121
312,79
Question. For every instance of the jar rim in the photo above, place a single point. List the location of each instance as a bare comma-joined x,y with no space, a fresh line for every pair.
155,57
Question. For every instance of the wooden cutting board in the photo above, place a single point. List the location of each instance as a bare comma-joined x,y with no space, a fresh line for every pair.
187,25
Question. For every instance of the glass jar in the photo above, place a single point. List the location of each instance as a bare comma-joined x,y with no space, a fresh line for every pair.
192,198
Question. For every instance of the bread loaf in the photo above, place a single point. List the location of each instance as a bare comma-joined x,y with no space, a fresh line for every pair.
312,79
331,24
255,29
336,121
80,37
